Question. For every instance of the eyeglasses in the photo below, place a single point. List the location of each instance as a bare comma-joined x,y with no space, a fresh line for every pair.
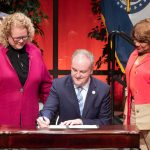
17,39
141,42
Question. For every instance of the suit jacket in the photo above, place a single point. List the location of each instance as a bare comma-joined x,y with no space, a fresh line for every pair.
142,94
62,99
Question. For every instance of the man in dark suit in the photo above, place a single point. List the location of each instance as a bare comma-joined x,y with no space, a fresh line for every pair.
90,106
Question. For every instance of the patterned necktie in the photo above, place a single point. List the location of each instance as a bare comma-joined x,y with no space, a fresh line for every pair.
80,99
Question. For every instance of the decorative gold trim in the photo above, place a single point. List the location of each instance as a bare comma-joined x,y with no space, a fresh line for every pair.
128,5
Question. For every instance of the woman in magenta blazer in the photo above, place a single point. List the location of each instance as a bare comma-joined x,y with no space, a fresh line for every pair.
24,78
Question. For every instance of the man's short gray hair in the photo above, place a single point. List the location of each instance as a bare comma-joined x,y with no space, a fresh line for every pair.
86,53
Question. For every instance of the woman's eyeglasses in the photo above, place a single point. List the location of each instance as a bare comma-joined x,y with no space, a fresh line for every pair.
17,39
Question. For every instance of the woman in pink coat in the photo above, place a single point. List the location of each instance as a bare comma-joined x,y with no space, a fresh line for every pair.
138,82
24,79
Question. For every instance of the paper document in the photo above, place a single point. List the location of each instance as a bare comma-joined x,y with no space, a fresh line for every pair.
73,127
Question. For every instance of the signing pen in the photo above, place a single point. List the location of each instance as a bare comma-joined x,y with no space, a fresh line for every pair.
42,116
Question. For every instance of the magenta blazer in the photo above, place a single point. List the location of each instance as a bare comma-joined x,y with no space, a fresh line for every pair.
19,105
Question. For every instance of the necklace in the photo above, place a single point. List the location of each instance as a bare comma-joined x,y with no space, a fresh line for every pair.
21,63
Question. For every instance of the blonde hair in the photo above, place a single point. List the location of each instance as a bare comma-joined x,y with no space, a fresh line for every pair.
15,20
141,31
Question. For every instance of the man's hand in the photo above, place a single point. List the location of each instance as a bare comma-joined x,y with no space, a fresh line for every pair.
43,122
72,122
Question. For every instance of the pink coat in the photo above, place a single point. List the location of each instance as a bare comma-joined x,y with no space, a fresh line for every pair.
19,105
142,87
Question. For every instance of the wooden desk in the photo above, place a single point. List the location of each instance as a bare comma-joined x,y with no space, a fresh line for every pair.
114,136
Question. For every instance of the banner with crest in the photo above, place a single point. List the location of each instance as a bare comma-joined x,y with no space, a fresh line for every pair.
121,15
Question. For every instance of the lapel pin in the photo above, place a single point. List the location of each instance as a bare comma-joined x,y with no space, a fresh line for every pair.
93,92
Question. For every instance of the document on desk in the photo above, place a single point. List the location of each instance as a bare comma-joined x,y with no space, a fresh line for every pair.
73,127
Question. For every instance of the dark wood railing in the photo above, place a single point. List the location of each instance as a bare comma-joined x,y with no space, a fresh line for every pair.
115,136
